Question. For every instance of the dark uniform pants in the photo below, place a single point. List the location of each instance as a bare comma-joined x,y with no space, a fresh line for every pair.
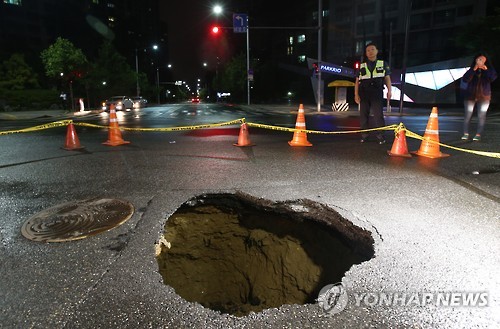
371,101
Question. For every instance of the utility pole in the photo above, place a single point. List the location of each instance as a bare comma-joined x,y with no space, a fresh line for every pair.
248,65
405,55
137,88
320,20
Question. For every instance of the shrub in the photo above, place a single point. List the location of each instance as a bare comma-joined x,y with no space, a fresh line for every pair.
28,99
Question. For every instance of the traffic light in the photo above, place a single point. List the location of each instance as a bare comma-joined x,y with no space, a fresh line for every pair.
315,68
215,30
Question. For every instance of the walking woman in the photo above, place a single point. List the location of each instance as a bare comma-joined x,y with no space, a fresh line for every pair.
478,93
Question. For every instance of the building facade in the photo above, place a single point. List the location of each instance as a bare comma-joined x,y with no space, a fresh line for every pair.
433,24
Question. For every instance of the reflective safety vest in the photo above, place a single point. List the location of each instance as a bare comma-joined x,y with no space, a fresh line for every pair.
378,72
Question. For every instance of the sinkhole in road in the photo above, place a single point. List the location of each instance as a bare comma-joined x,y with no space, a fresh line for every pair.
237,254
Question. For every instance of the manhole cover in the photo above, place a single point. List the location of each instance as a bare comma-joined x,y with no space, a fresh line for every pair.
77,220
237,254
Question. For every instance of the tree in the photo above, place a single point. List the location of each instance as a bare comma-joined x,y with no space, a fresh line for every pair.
15,74
112,68
233,78
63,57
62,60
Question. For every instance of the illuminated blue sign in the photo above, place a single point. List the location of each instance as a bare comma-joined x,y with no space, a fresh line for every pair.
337,69
240,23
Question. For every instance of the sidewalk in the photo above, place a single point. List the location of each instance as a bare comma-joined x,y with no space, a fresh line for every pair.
26,115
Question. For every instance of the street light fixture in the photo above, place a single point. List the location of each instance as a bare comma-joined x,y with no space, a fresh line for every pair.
217,9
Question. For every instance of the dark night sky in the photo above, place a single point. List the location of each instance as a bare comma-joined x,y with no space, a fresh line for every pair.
188,36
191,43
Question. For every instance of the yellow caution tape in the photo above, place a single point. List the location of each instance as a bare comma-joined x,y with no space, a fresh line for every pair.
40,127
257,125
395,128
212,125
483,153
182,128
90,125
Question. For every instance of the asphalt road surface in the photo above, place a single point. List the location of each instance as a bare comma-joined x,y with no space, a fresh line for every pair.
435,222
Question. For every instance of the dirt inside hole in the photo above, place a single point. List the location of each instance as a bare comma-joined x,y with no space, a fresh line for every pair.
236,254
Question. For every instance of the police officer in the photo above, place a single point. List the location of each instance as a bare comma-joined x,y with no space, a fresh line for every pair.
369,91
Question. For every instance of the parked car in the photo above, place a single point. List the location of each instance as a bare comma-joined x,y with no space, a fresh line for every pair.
120,103
139,102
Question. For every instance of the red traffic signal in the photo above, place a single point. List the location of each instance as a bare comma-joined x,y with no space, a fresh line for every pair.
215,29
315,67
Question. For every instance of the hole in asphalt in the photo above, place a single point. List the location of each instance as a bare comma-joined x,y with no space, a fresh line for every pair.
236,254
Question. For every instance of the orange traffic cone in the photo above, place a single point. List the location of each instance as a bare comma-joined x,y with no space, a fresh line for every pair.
399,147
72,141
300,138
431,149
114,133
243,138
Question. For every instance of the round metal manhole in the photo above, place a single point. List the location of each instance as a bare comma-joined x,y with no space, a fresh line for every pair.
77,220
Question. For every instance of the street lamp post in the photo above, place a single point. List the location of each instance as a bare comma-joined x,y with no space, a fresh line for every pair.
138,88
248,65
405,55
320,16
158,85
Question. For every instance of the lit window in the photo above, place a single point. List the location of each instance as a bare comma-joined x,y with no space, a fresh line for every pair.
111,5
290,40
435,80
289,51
301,38
13,2
396,94
301,58
425,79
442,78
458,72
